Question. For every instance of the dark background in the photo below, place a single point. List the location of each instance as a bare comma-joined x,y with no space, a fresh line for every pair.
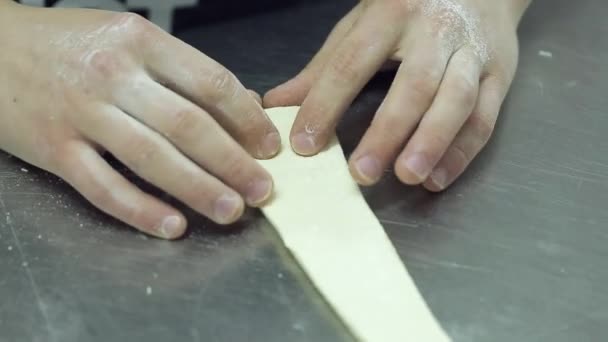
209,11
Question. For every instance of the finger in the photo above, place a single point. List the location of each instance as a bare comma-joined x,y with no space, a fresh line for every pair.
154,159
194,132
294,91
208,84
472,137
355,61
255,96
109,191
409,97
451,107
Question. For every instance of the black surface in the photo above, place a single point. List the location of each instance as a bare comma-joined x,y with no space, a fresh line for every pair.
514,251
211,11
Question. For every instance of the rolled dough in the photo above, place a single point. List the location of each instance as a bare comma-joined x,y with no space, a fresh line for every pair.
325,222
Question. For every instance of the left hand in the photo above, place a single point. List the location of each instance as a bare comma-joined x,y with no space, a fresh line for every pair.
457,61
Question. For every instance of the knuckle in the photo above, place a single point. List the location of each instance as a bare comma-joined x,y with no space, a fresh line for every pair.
131,25
102,197
436,142
108,200
422,84
400,8
132,214
251,140
251,127
343,68
64,163
391,129
462,157
185,121
222,84
197,193
235,169
393,136
482,126
142,152
448,28
466,90
105,63
130,30
62,155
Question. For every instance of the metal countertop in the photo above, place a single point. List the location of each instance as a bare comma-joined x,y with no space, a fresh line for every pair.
515,251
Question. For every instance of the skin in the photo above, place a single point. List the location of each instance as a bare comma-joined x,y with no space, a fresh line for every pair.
80,82
456,62
83,82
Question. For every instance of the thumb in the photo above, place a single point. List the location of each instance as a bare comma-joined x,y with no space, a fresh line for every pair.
292,92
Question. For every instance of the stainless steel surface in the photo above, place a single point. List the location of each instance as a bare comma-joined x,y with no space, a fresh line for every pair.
515,251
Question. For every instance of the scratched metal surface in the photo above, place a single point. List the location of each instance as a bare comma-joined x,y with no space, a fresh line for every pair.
516,250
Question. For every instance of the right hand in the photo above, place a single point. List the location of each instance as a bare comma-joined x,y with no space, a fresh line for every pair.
77,82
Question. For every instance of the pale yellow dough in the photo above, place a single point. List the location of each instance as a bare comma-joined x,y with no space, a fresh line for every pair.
325,222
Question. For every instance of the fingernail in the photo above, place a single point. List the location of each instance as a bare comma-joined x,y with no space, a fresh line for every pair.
227,208
303,144
418,165
259,191
270,145
368,168
439,176
170,227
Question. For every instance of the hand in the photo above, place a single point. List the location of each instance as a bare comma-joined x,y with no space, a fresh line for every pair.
457,61
76,82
